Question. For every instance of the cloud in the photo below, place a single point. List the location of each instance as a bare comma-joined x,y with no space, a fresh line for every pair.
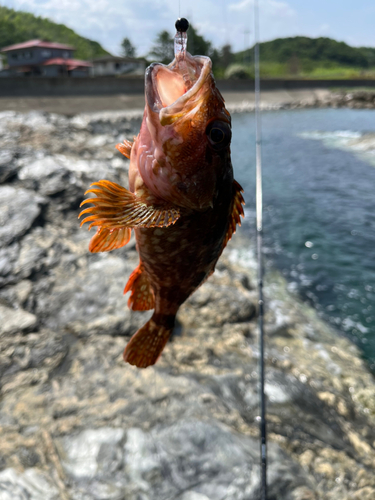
244,5
109,21
103,20
267,8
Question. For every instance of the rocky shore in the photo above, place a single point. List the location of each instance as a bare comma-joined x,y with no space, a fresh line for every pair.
313,98
77,423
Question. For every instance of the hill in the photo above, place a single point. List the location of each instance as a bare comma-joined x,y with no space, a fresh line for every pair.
305,56
17,26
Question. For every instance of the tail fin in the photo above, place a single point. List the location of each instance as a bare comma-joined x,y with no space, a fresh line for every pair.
145,347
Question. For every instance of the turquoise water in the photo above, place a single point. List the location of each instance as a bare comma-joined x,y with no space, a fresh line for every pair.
319,208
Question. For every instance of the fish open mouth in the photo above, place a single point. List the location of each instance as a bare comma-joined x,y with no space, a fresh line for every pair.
174,90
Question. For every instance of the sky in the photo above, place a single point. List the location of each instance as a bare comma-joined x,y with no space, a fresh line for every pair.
220,21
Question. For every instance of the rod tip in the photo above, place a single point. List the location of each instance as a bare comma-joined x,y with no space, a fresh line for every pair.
182,25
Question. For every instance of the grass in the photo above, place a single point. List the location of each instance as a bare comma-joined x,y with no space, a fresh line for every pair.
278,70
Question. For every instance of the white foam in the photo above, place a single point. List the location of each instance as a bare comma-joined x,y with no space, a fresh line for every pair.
363,145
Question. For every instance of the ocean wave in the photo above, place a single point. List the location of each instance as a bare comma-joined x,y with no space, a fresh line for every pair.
361,144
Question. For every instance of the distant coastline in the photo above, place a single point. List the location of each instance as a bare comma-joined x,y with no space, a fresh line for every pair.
313,98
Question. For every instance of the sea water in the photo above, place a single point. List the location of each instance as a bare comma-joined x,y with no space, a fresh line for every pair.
319,208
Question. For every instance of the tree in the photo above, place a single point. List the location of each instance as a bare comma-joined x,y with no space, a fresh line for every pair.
226,55
128,49
163,49
197,45
17,27
215,58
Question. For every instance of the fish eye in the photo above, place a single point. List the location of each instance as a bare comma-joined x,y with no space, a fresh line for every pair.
219,134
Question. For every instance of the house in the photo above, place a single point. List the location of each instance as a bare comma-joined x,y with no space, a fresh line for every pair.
112,65
41,58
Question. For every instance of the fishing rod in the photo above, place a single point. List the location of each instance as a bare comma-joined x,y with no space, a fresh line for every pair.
259,229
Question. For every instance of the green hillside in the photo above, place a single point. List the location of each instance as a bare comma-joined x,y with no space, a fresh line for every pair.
17,26
312,57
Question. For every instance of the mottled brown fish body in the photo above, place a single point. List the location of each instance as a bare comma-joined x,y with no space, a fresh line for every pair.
183,203
180,257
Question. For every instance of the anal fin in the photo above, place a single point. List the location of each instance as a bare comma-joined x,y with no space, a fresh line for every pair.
105,240
115,207
142,297
147,344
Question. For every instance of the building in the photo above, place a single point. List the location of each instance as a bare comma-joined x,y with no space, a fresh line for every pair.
40,58
112,65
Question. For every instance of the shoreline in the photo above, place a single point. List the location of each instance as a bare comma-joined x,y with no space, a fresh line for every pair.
237,102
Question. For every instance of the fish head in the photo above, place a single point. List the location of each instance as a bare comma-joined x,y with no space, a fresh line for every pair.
186,132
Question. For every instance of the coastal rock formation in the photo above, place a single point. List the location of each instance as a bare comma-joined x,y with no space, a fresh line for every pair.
77,423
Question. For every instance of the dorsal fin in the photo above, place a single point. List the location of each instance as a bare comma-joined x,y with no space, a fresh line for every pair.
237,212
125,148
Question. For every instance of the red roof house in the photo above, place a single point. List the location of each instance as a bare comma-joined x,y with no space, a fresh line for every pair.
41,58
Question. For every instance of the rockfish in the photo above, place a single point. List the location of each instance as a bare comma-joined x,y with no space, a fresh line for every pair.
182,202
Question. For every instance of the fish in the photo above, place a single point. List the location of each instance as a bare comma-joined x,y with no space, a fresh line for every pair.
182,203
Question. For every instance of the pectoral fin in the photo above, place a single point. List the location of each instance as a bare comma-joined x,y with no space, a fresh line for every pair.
115,207
105,240
237,212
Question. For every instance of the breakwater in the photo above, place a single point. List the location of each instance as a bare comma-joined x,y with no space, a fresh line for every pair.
86,86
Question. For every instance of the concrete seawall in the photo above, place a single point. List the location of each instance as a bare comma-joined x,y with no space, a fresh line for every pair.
38,87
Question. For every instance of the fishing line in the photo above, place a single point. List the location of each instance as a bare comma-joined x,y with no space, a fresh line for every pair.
259,228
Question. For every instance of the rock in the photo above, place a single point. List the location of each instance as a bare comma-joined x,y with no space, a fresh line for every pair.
22,291
47,175
91,301
8,259
18,210
200,459
15,320
193,495
21,260
31,255
28,359
230,305
87,454
364,494
29,485
7,167
303,493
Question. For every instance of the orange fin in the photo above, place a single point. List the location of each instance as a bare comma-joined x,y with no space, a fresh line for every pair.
105,240
125,148
115,206
145,347
142,296
237,212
